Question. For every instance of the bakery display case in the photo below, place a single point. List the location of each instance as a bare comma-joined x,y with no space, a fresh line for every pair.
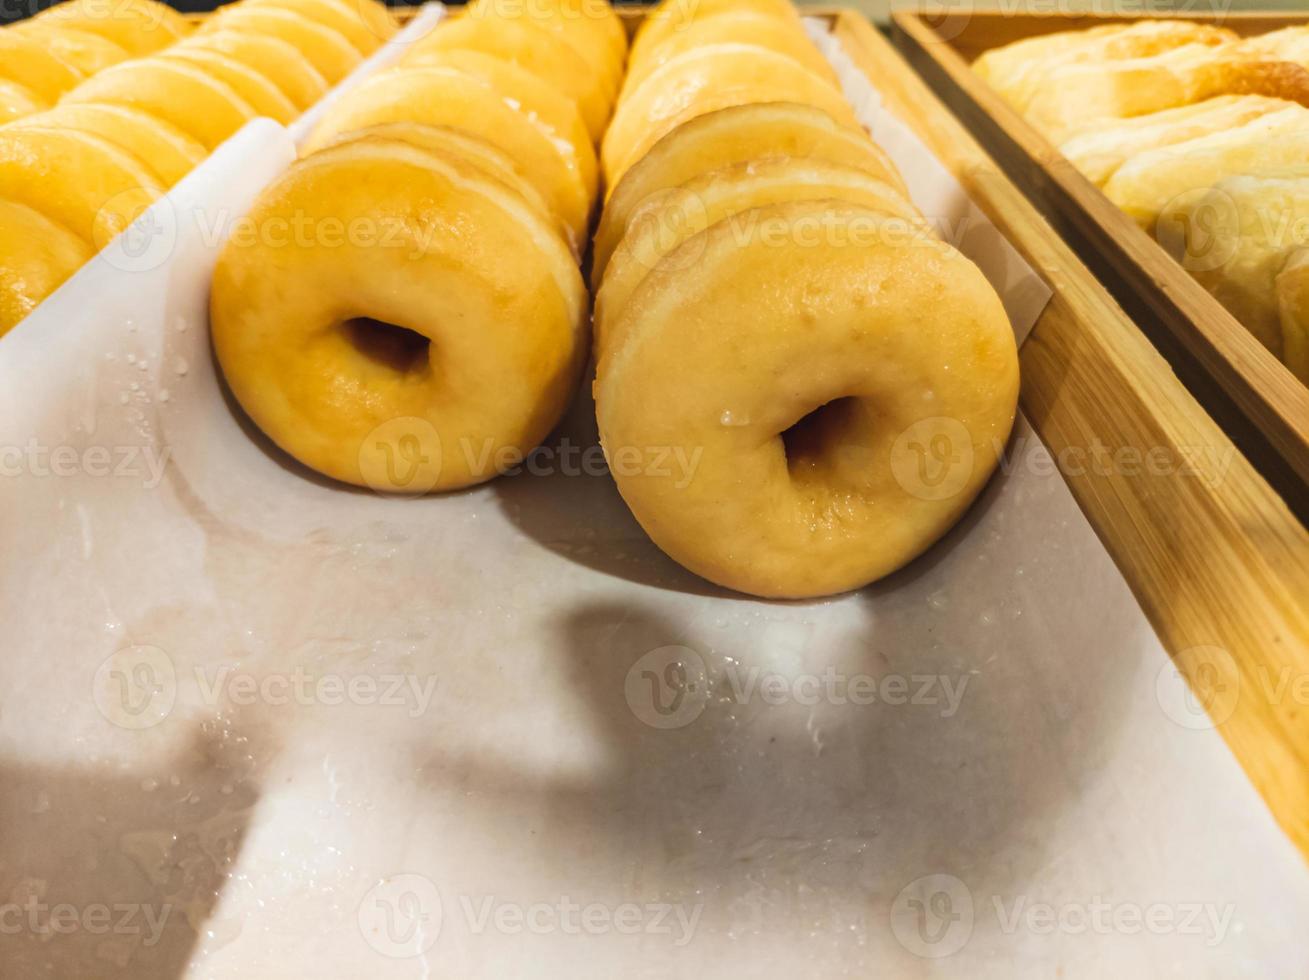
354,712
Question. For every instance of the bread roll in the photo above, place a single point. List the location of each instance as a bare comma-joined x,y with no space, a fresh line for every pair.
1288,44
1148,183
1075,96
1014,70
1098,151
1238,236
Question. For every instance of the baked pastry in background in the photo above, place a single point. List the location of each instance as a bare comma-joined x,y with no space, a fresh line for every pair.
1071,97
1153,185
1015,70
1189,130
1099,150
1237,237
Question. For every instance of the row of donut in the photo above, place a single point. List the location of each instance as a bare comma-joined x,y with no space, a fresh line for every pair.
75,175
770,303
45,56
443,207
772,311
503,78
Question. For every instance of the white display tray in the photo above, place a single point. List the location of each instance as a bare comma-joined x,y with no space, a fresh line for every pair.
296,729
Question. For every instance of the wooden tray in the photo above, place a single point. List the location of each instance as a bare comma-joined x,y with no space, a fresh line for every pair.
1257,400
1213,554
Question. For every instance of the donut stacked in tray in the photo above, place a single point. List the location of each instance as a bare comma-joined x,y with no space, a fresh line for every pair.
783,343
46,56
431,304
125,100
777,323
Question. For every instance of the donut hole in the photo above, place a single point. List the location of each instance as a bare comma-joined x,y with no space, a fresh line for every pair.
388,345
815,444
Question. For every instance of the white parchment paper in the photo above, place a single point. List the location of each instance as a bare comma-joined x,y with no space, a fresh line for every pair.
308,731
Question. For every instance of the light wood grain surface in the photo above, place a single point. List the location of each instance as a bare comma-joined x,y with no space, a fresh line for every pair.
1212,553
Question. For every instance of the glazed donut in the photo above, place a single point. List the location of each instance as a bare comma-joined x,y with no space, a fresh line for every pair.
447,97
483,155
331,54
556,114
738,134
170,152
701,80
589,27
671,18
36,255
803,418
200,105
77,180
783,36
124,128
139,27
31,64
342,17
265,98
17,101
345,17
491,306
88,53
531,47
667,220
280,62
435,356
